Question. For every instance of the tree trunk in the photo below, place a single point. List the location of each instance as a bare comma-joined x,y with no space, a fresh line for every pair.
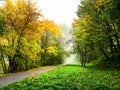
12,65
111,48
117,40
83,56
3,63
107,57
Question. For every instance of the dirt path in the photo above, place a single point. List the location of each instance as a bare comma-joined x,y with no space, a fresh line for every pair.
10,78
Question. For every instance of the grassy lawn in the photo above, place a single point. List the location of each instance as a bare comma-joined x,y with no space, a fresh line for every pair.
71,77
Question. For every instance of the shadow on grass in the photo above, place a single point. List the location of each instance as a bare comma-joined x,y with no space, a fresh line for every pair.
75,65
89,67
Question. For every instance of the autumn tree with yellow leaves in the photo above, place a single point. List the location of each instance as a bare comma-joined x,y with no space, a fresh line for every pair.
27,41
21,22
49,43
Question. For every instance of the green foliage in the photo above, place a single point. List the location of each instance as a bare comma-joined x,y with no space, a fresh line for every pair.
70,77
2,22
98,30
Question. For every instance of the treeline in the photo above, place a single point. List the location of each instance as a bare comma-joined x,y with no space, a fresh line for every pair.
26,41
97,32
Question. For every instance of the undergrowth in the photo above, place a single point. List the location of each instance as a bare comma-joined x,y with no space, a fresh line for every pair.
70,77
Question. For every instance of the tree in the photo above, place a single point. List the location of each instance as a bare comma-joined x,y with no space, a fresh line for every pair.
49,42
21,22
2,28
98,27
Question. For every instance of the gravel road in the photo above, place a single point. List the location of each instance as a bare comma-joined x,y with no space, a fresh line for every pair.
13,77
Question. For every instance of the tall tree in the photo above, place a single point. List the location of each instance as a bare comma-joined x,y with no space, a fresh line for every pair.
98,26
21,21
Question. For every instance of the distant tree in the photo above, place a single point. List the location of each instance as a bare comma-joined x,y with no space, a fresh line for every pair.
49,43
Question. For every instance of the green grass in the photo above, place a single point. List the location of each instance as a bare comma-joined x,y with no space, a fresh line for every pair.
71,77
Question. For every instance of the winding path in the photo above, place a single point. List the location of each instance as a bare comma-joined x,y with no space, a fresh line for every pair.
13,77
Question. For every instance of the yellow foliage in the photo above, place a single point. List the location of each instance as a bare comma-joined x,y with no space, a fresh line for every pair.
82,24
81,34
24,29
99,3
52,50
75,23
3,42
31,49
84,21
47,25
53,42
21,14
42,50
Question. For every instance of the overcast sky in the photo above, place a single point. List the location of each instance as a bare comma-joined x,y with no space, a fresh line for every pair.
60,11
